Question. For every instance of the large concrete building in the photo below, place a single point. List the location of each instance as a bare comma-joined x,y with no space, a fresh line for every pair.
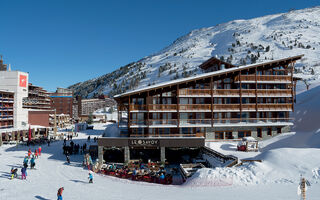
17,82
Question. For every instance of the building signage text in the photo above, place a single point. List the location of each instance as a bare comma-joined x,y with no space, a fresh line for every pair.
144,142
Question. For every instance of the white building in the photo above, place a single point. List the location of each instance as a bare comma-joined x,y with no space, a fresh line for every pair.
17,82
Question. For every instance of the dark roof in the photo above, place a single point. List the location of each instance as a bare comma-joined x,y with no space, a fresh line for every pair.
213,61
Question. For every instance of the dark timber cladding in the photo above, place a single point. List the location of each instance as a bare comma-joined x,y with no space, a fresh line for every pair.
151,142
226,102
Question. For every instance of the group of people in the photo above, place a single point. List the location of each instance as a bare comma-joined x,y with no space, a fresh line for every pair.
30,158
141,172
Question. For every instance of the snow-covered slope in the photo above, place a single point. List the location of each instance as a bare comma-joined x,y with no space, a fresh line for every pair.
239,42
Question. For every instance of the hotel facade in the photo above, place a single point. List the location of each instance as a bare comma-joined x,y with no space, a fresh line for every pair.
225,102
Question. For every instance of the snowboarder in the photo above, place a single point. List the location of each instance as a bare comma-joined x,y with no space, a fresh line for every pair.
90,177
89,138
39,150
14,173
32,163
59,194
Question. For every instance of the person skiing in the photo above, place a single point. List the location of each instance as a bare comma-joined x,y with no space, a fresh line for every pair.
23,173
90,177
14,173
59,194
32,163
39,150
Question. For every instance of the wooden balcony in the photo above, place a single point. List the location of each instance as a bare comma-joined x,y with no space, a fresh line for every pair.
264,78
136,107
194,107
169,135
234,92
162,107
252,120
207,107
219,107
277,107
163,122
195,92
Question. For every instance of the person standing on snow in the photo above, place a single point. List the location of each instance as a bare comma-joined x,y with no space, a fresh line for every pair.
36,153
59,194
32,163
90,177
39,150
29,153
23,173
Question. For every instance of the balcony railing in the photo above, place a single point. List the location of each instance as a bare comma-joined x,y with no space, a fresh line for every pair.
195,121
185,107
234,92
207,122
137,107
169,135
251,120
207,107
168,107
195,92
267,78
280,106
155,122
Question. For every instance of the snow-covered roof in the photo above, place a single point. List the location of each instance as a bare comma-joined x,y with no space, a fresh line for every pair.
206,75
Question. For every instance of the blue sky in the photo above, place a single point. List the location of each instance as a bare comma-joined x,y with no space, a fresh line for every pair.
62,42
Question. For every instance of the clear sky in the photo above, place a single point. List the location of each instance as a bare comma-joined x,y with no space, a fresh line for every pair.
62,42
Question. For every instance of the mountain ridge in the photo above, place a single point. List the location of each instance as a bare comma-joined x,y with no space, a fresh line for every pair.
239,42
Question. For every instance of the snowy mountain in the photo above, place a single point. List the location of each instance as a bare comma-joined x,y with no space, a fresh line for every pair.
239,42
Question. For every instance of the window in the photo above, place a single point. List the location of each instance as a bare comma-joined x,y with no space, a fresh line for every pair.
229,135
219,135
269,131
259,132
279,130
242,134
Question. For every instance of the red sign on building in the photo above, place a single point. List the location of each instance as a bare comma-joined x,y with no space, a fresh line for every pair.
23,81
